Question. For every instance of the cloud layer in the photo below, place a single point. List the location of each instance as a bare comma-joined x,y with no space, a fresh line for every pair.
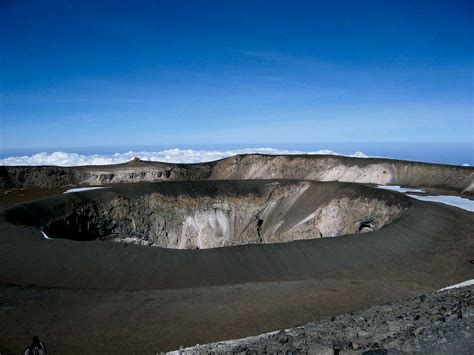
170,156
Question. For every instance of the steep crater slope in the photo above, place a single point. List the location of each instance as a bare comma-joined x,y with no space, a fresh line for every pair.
208,214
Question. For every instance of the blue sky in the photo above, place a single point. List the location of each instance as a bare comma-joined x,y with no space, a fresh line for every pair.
122,73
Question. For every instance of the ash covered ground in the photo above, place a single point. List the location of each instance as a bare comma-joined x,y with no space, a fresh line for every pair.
171,255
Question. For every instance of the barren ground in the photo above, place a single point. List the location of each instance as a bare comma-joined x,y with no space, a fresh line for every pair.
107,297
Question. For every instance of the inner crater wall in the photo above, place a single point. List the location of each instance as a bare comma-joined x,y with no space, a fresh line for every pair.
225,213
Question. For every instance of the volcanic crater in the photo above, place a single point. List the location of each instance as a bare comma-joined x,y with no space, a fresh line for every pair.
201,215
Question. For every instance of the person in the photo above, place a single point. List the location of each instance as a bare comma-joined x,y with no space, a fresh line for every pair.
36,347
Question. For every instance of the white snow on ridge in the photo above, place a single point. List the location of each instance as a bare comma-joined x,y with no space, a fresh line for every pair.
399,188
170,156
462,284
455,201
78,189
44,235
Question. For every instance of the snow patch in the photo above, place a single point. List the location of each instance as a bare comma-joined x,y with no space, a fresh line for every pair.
399,188
462,284
78,189
44,235
455,201
169,156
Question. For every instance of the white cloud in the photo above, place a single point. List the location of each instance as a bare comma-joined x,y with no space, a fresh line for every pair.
170,156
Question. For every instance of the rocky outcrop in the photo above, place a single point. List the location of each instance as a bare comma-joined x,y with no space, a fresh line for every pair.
437,323
132,172
200,215
346,169
255,166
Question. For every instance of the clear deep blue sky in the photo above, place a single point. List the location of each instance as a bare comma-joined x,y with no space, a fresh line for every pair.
122,73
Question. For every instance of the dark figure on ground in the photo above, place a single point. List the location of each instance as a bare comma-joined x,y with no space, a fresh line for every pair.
36,347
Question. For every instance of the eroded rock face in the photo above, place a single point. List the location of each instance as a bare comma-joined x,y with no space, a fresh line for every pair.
198,215
253,166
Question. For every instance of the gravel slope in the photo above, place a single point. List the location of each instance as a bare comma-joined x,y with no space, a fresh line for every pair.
436,323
